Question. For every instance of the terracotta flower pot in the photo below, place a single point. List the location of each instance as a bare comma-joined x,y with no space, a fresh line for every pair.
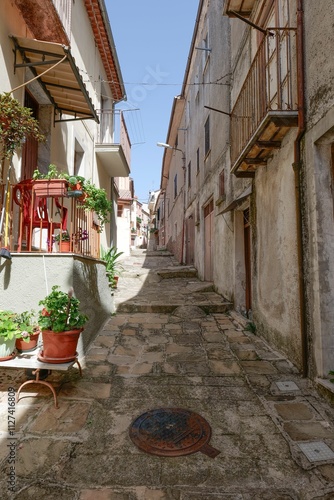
59,347
23,346
64,246
50,188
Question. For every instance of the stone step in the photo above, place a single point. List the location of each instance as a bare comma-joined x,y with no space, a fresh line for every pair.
133,307
178,272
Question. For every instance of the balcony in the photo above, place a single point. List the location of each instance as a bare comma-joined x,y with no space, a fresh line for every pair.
266,107
113,147
38,224
241,7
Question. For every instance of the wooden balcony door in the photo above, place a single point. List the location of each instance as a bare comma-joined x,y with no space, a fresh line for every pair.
30,148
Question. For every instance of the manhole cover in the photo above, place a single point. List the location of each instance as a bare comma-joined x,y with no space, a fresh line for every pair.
172,432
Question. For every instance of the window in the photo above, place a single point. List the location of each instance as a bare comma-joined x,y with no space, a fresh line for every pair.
175,186
197,161
222,183
189,174
206,51
119,210
207,136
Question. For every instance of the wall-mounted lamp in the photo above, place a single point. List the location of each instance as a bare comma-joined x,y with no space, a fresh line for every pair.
168,146
164,145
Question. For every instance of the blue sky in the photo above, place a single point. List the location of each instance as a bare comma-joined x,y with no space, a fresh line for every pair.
152,39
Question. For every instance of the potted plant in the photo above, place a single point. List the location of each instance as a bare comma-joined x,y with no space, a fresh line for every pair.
30,331
64,241
76,187
51,184
12,327
61,323
113,268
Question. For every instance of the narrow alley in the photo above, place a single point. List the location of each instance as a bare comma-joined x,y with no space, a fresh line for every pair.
261,432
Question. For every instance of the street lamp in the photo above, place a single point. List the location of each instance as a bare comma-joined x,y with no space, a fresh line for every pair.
167,146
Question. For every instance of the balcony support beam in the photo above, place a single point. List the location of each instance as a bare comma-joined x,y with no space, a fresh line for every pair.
268,144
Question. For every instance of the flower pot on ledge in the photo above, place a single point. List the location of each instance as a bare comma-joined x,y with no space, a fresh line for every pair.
50,188
64,246
30,346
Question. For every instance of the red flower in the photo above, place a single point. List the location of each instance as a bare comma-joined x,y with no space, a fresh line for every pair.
45,312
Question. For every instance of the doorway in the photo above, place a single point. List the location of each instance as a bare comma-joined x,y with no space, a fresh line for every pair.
190,240
208,241
30,148
247,254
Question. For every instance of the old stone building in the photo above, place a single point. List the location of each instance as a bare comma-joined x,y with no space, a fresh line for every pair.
248,168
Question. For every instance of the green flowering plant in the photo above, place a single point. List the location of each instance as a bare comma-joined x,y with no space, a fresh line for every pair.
16,325
60,312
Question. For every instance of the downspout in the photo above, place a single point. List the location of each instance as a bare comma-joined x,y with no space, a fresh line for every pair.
297,172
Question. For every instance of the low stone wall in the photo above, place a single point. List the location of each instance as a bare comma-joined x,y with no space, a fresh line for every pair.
28,278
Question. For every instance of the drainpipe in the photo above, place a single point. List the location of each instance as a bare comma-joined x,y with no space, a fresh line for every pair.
297,172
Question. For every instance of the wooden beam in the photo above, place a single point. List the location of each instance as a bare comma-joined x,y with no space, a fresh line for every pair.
268,144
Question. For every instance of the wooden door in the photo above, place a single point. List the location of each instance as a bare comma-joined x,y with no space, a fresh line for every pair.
208,241
247,252
30,148
190,240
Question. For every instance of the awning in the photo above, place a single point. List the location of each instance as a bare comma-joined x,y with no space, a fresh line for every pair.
235,203
63,83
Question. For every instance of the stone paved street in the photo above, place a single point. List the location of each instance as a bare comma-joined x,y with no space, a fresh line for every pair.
172,343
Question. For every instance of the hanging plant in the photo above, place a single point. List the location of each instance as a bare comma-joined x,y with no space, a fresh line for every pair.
16,124
98,202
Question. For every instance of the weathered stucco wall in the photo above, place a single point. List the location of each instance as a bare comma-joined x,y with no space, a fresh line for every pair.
318,169
27,279
275,261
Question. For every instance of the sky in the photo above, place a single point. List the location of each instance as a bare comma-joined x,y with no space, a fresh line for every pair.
152,39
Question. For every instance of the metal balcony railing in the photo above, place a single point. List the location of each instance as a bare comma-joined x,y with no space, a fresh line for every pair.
270,86
43,224
113,130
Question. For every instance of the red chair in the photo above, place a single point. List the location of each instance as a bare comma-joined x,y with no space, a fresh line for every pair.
34,214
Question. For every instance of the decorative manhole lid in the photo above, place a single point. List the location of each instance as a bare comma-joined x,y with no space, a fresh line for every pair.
172,432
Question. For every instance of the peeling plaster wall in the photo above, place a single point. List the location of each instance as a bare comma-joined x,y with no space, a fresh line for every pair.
27,279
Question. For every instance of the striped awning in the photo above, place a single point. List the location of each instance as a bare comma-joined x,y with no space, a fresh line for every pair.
59,76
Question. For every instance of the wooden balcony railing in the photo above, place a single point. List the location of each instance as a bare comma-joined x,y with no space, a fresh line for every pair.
266,106
41,224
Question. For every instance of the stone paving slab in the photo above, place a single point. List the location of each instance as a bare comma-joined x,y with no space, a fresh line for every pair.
187,359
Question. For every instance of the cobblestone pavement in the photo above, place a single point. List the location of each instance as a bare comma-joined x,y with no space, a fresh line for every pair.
173,343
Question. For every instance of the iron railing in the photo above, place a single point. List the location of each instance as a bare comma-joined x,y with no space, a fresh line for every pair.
113,130
270,85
